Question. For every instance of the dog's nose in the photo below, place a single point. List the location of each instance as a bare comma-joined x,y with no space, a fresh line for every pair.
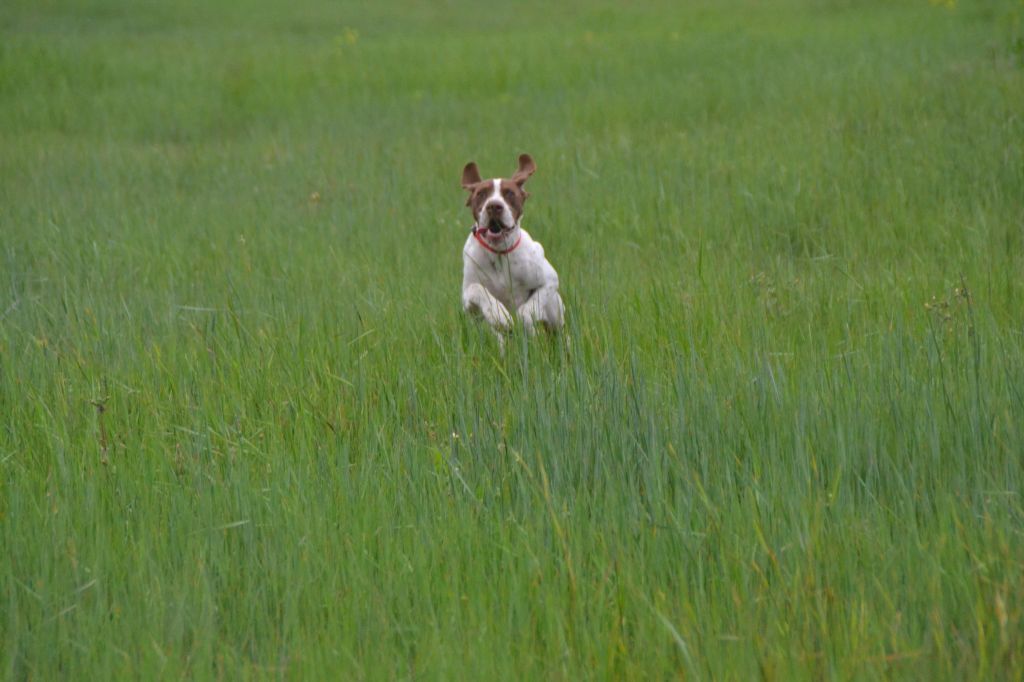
494,208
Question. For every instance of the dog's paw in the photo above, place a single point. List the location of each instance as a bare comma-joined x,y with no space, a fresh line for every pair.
500,318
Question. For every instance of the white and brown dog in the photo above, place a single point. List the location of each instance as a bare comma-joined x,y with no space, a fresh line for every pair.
504,269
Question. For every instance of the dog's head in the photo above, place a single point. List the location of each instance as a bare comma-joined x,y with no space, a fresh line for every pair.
497,204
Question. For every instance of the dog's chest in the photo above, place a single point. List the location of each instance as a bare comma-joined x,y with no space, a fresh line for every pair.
512,278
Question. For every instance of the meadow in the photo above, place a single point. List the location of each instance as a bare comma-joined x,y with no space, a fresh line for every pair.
246,431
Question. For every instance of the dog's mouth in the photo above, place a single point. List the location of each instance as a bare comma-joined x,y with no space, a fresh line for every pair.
495,226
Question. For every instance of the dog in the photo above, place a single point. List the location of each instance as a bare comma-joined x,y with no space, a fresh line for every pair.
504,269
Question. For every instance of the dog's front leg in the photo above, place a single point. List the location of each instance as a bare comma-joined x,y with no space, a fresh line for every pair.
544,306
478,301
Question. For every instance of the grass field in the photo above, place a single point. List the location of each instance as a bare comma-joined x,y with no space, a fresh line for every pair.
246,431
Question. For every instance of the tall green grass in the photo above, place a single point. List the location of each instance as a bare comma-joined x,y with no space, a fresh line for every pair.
247,432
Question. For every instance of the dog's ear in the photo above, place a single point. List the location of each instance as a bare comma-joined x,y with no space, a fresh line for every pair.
470,175
526,169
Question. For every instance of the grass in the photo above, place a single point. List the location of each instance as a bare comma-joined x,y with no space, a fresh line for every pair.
248,433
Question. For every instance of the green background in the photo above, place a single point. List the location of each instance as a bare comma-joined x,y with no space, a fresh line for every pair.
247,432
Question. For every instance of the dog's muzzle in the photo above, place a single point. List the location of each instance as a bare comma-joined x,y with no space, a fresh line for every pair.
494,213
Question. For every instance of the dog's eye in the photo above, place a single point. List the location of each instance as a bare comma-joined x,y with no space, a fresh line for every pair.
509,195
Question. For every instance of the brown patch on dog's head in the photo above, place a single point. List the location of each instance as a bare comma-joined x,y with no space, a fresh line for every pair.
514,195
477,187
511,190
479,193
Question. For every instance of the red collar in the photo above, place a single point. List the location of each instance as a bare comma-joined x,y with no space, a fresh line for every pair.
483,242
